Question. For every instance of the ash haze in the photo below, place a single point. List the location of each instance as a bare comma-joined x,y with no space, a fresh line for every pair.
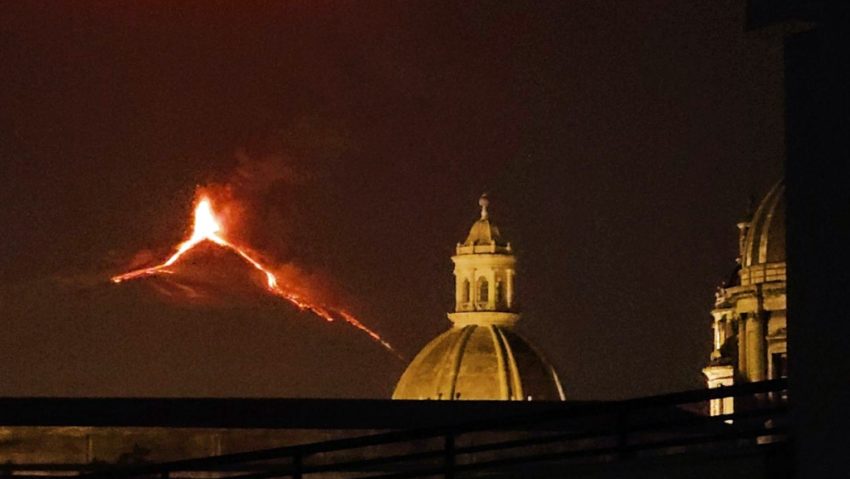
619,142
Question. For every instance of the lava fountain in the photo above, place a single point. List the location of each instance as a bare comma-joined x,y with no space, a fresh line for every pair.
206,227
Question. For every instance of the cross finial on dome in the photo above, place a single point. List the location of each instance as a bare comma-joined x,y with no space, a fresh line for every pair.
483,202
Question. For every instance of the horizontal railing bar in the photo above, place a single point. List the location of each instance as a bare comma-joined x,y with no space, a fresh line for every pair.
252,413
359,464
721,420
383,460
494,446
50,467
346,465
627,406
595,452
514,444
697,395
44,476
631,449
612,432
275,453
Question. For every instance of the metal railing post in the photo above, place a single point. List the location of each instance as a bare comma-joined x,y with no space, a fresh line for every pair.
449,456
622,431
297,466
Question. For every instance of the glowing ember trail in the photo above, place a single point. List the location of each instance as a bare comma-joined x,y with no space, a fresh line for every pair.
207,228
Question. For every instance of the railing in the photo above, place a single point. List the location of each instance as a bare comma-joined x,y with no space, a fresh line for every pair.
603,432
592,433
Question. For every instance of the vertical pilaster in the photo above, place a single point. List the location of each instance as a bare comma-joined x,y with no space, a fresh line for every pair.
509,288
742,346
756,351
491,286
458,289
717,340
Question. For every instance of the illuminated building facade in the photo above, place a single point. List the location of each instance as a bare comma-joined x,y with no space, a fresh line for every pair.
482,356
750,334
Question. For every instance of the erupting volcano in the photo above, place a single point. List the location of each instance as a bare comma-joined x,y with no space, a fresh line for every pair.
206,227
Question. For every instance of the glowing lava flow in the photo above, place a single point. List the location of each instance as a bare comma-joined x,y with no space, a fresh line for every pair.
207,228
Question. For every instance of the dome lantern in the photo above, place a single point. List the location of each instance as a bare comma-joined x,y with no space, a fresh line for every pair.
481,356
485,269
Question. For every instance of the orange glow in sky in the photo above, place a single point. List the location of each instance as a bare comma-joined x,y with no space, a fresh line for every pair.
206,227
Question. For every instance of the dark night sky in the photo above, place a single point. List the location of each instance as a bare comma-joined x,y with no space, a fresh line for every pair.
619,142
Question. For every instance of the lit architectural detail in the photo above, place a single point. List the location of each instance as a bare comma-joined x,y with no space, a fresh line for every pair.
481,356
750,312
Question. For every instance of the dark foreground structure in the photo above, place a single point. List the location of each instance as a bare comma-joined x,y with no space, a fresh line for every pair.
663,436
817,79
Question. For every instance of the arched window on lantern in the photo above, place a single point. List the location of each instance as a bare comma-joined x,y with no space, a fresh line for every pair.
483,290
464,295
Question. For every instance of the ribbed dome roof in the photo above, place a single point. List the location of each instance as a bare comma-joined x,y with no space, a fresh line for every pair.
483,232
765,241
487,362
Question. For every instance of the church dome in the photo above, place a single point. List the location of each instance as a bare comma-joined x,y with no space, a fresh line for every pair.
762,256
479,362
765,240
481,356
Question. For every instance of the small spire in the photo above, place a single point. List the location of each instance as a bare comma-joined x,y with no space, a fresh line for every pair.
483,202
